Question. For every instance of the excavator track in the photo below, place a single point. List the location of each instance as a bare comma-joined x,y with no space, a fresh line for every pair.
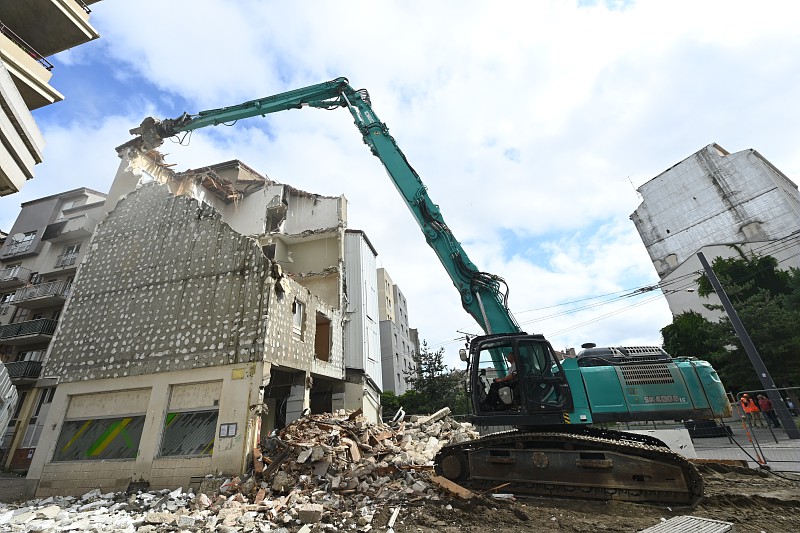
585,463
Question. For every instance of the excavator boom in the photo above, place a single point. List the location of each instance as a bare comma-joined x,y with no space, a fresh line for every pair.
552,403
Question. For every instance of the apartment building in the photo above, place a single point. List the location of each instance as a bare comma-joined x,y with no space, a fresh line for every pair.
718,203
30,32
399,343
209,309
38,261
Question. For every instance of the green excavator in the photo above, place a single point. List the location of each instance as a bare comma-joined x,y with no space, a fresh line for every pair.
552,411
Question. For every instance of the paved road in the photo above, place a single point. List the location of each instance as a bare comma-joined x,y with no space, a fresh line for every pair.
763,446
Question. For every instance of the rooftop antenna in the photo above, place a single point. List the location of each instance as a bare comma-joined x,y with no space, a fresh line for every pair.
634,188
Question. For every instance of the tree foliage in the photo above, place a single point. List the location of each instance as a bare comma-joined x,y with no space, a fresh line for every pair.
766,300
433,386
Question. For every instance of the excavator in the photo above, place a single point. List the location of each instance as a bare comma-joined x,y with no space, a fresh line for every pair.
553,412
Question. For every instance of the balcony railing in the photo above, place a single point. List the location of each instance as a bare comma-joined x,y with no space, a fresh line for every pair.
43,290
38,329
23,370
18,248
65,260
84,6
28,49
13,276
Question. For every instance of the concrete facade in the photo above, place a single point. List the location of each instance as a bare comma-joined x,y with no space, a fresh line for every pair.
38,262
208,311
399,343
30,32
712,200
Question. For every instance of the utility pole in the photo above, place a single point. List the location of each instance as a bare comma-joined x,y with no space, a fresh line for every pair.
763,374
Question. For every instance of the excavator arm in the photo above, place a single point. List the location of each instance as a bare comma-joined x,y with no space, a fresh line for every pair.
483,295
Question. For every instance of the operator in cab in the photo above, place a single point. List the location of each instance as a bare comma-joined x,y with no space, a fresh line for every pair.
494,400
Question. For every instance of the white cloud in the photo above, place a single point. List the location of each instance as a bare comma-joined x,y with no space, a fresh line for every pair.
524,119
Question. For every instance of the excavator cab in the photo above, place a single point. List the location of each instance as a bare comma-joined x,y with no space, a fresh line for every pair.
517,377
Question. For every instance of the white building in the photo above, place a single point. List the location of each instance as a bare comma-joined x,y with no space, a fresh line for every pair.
716,202
399,343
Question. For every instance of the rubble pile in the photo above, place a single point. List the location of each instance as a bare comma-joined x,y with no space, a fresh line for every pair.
322,472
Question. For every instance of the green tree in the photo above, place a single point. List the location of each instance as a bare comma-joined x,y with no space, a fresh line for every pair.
766,300
433,386
691,335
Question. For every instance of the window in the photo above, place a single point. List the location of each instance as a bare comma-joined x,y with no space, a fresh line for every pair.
36,355
5,302
10,272
69,257
191,421
298,318
36,424
22,244
34,278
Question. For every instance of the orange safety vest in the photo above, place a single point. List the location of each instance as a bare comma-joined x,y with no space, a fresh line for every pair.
749,405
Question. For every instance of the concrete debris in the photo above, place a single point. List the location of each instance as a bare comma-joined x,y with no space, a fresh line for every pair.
330,472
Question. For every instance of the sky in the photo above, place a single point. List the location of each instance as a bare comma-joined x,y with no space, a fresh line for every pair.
531,123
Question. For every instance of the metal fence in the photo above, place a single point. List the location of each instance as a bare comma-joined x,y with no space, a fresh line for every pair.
744,438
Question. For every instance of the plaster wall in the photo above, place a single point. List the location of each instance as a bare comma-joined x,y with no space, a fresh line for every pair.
315,254
312,212
679,286
714,197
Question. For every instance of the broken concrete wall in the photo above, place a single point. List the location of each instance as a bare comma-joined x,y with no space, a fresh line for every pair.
166,286
171,298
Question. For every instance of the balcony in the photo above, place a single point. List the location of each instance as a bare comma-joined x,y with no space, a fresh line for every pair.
79,227
28,332
64,261
23,371
41,295
14,250
66,22
13,277
29,70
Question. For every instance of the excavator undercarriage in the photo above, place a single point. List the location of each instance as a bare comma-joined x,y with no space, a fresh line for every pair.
585,463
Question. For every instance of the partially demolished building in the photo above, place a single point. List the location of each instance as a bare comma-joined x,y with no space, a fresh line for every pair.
210,308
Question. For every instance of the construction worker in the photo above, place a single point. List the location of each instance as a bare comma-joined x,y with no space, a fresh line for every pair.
765,404
751,411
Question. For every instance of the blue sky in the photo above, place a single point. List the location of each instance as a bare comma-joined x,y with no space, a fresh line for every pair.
531,125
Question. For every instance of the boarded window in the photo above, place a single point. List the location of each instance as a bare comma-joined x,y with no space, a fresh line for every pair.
191,422
189,433
103,426
99,439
